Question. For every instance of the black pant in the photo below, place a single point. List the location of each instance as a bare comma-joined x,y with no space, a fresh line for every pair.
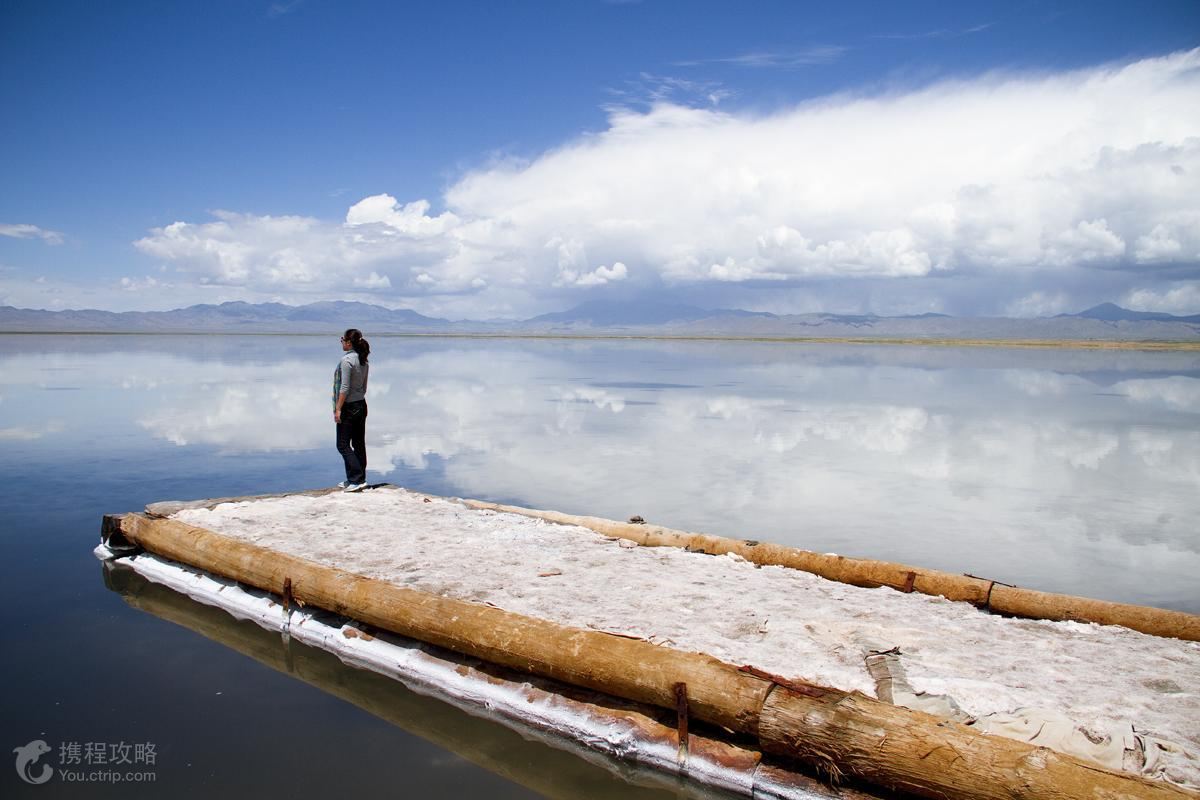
352,440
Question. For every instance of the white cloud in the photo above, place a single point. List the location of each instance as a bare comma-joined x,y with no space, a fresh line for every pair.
649,89
1039,304
572,261
373,281
602,275
280,9
1183,299
1020,183
139,284
1041,383
599,398
30,434
1178,392
761,59
996,174
1158,245
230,410
128,293
295,253
785,252
1081,448
1087,241
19,435
409,219
24,231
940,33
239,248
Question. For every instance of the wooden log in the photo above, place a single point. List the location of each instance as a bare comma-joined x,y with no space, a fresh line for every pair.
856,571
987,594
1019,602
549,771
717,692
886,745
912,752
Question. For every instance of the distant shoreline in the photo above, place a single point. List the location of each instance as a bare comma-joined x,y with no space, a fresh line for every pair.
1062,344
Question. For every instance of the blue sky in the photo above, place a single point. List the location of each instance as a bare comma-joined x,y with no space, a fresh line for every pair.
505,159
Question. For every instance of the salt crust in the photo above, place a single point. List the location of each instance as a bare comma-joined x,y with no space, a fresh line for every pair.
781,620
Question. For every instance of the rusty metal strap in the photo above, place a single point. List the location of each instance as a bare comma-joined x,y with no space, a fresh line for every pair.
681,713
992,584
779,680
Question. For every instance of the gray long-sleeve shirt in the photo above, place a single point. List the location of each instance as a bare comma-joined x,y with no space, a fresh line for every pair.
353,382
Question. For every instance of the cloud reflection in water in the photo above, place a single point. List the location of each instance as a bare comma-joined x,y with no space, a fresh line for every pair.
1077,475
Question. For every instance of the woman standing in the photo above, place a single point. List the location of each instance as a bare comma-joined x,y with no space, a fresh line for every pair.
350,409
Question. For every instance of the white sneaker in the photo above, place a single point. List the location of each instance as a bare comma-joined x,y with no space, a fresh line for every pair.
341,485
354,487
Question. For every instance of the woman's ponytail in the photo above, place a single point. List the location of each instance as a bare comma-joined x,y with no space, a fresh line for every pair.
355,338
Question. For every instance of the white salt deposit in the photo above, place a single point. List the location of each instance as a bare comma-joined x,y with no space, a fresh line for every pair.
791,623
610,741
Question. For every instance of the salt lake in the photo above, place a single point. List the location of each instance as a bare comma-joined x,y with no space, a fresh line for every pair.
1066,470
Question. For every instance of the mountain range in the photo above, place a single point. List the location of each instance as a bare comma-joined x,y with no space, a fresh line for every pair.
1106,321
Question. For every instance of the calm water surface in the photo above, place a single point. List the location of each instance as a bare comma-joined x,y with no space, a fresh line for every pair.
1070,471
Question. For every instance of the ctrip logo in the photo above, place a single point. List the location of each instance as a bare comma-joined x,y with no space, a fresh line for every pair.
27,756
